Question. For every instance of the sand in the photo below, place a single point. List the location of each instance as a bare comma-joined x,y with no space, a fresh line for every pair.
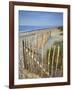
36,40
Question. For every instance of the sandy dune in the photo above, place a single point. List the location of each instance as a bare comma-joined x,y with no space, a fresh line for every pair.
37,40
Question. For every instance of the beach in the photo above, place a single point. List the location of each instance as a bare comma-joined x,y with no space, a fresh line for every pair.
39,41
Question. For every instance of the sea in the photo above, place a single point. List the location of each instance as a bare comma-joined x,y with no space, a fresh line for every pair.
23,28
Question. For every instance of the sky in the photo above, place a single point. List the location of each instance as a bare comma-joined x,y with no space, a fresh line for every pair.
40,18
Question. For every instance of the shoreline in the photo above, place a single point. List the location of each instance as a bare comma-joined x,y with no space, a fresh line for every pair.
42,29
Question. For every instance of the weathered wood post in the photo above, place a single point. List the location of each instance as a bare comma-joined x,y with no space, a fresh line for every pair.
49,61
57,60
30,56
27,54
42,57
23,44
52,67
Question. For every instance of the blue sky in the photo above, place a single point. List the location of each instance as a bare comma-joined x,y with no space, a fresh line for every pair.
38,18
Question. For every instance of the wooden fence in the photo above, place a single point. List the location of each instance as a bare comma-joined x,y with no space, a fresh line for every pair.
34,61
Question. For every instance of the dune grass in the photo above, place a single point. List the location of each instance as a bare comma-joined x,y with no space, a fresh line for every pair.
60,59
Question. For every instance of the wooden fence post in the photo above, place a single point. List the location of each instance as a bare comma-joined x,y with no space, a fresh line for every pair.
57,60
42,57
53,61
23,43
49,60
